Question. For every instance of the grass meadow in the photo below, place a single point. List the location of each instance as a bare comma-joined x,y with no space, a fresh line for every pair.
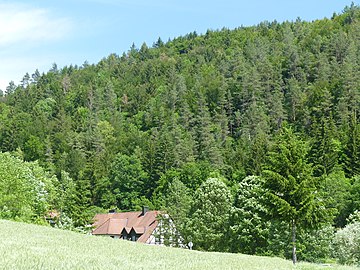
27,246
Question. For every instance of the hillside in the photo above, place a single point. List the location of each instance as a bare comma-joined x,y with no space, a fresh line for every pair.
25,246
247,137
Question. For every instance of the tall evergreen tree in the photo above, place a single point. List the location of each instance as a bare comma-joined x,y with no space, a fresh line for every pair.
206,148
351,154
292,189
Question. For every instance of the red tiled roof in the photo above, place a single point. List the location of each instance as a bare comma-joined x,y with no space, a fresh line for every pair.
111,226
139,230
114,223
143,238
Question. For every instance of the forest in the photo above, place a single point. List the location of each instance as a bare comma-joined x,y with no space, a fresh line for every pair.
249,138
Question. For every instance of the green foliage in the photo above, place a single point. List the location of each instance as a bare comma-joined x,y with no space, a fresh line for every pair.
26,190
336,190
158,121
249,224
316,245
178,201
347,242
127,181
352,149
279,239
209,216
292,191
73,209
354,203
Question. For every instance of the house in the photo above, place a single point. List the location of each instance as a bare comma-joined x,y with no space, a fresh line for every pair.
141,226
149,227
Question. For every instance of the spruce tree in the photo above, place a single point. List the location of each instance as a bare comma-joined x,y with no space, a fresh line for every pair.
351,157
292,189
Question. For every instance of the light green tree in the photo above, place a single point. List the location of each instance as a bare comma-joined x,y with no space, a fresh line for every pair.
209,216
249,226
178,201
26,190
347,241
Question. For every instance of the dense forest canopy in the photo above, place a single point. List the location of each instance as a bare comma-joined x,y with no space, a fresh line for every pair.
158,125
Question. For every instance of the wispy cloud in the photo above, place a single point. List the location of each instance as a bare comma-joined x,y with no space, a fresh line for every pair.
27,39
23,24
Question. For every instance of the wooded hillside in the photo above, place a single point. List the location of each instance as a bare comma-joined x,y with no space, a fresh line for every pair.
158,125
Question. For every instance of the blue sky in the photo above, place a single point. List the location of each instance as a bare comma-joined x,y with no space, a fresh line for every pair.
36,34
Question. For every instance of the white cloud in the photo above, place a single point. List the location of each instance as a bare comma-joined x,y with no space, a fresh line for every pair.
21,23
27,39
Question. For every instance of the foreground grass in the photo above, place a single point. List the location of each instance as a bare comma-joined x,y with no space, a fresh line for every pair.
26,246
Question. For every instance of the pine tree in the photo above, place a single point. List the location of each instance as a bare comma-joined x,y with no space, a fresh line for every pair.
325,145
206,148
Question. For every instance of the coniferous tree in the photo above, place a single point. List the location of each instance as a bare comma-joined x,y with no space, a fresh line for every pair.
195,107
10,88
292,188
352,149
206,148
325,145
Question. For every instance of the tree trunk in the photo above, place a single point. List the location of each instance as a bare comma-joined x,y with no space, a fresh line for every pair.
294,242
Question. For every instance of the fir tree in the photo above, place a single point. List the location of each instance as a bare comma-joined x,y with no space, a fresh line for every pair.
292,189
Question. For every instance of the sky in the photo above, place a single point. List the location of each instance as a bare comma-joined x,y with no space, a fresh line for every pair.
37,34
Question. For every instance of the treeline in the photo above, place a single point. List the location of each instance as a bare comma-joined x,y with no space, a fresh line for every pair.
165,119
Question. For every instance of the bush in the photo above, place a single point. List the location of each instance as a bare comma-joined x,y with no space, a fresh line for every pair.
315,245
347,241
26,190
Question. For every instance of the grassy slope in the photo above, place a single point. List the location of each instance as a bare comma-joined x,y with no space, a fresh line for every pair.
26,246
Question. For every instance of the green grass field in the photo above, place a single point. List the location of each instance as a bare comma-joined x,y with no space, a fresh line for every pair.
26,246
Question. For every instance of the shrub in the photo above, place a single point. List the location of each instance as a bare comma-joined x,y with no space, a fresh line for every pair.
347,241
26,190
